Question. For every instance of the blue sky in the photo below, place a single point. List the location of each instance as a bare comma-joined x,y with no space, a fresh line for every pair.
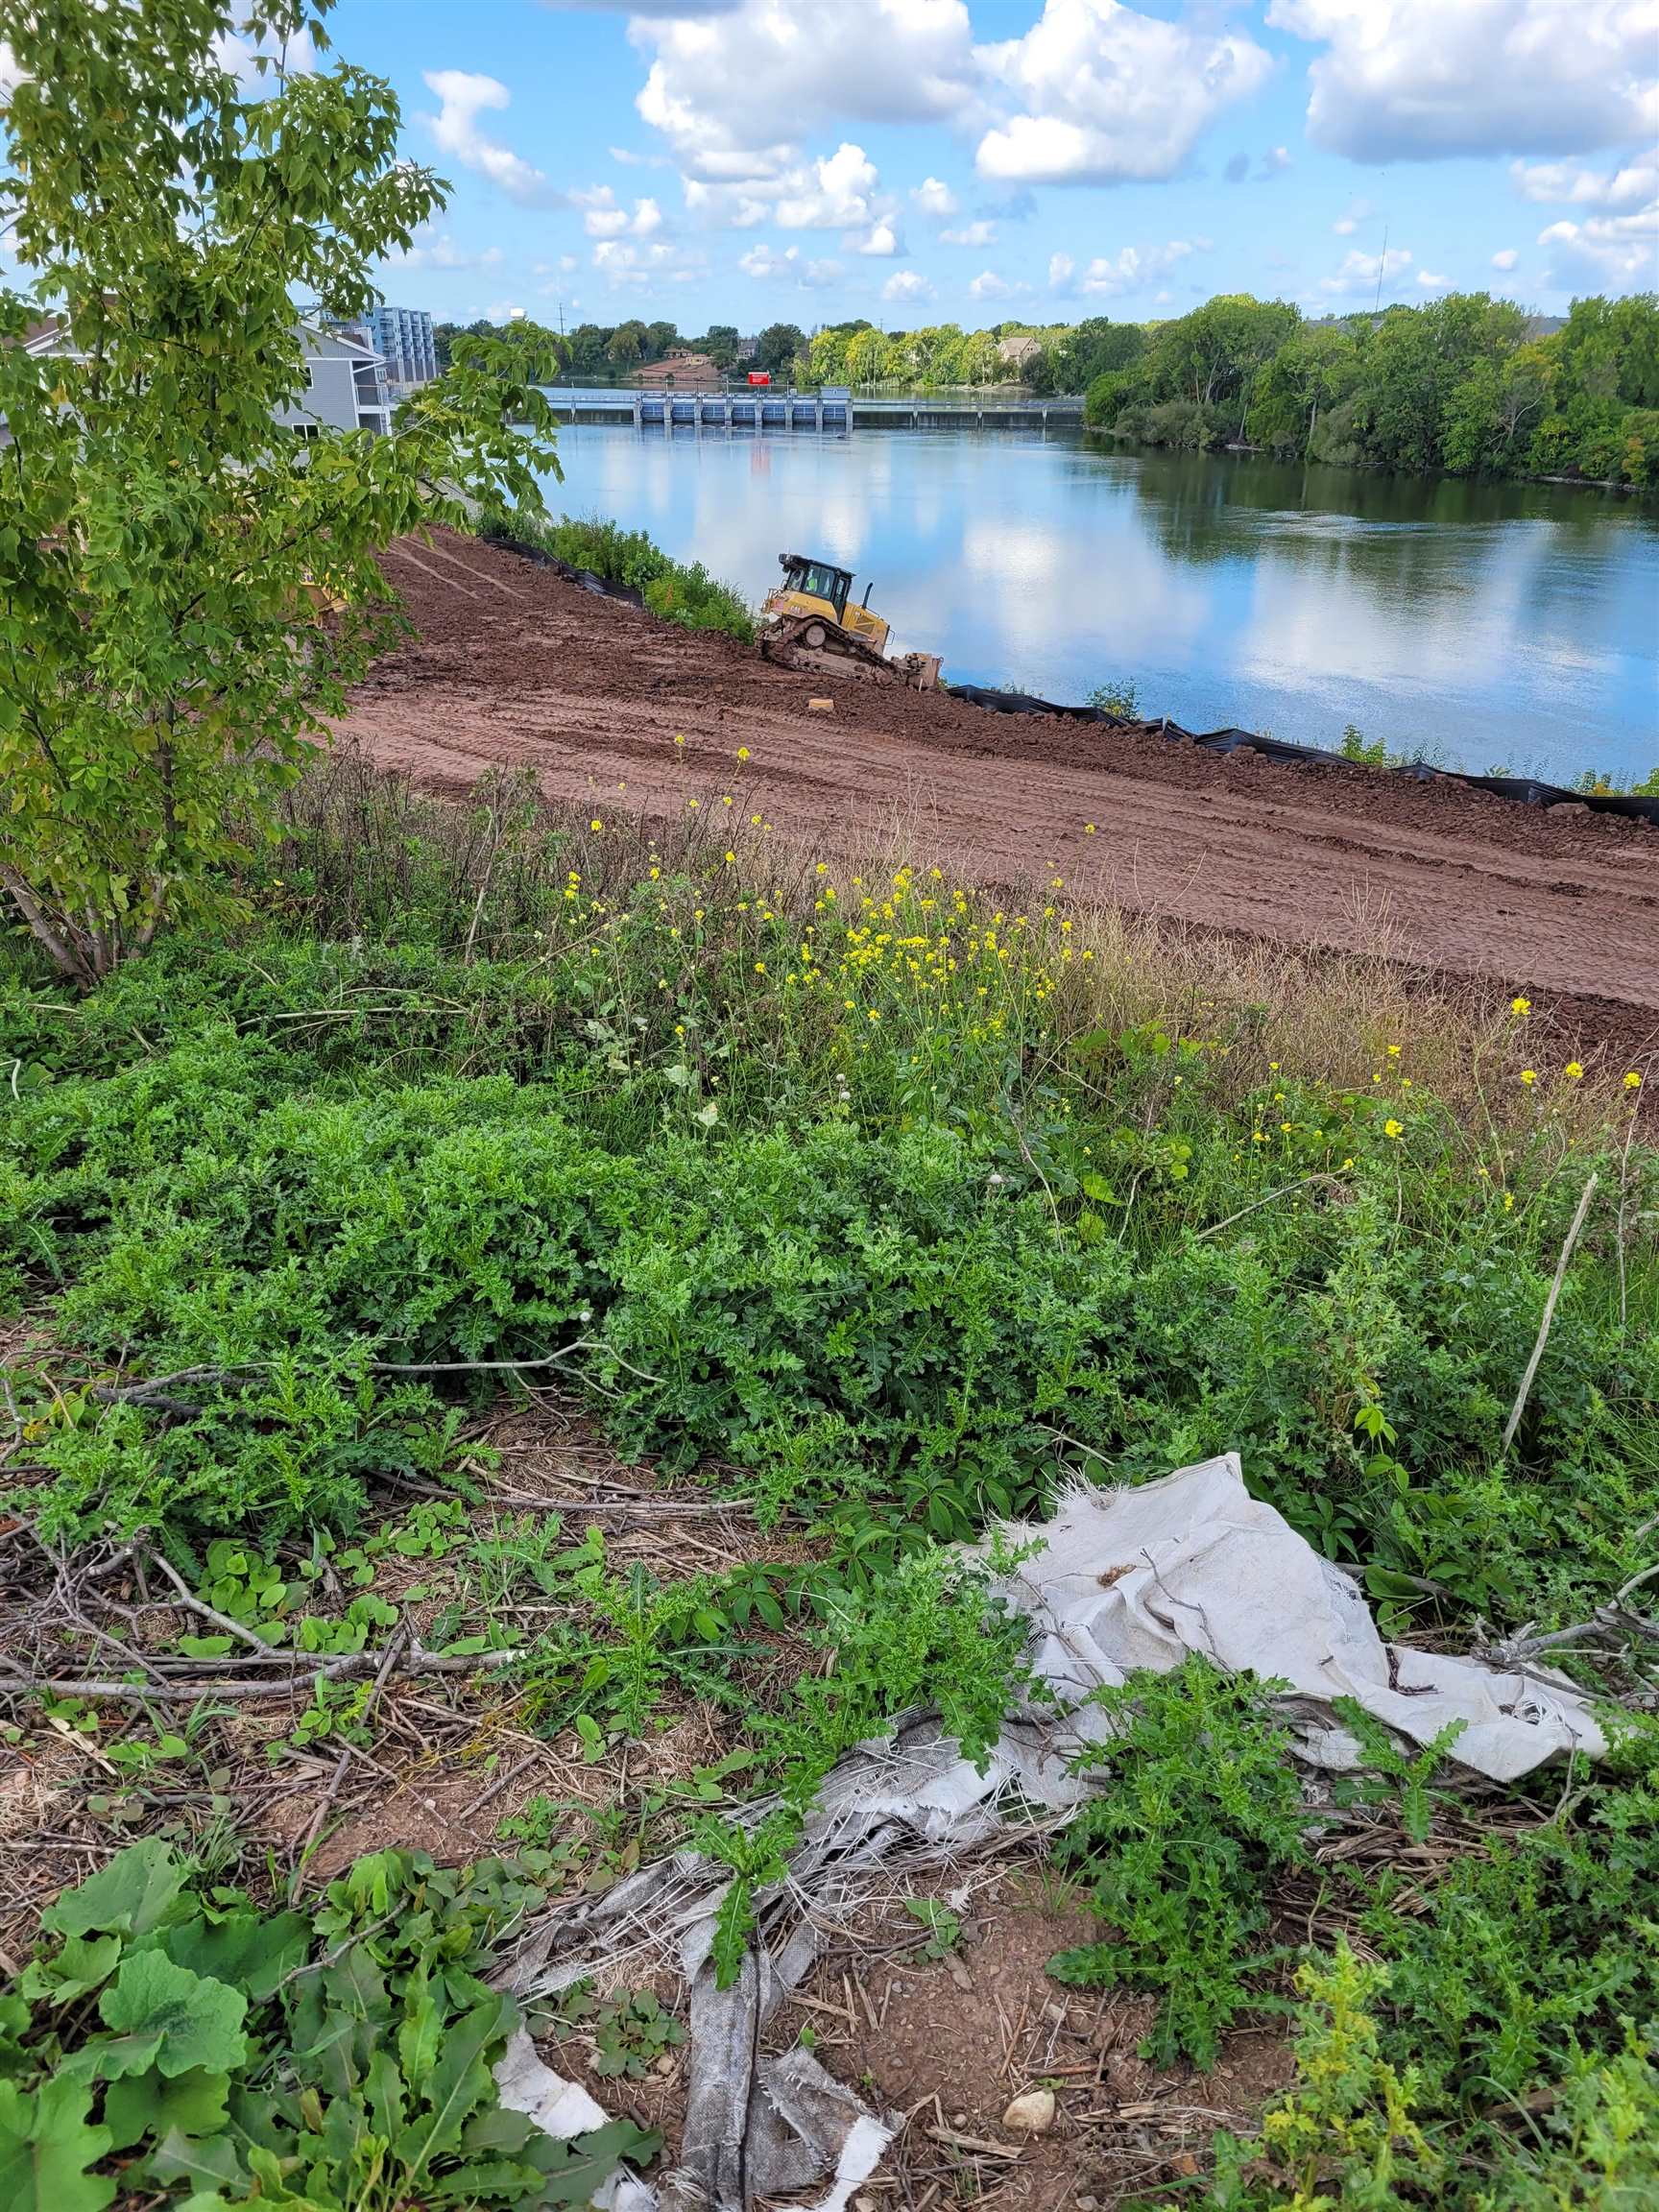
966,161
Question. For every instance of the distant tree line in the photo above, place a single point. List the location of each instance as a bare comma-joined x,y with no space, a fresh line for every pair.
605,349
1468,384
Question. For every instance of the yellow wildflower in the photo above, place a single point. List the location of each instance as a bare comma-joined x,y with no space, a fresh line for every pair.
1519,1005
1393,1129
1529,1075
1573,1071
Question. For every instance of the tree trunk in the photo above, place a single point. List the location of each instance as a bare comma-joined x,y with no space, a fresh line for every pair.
62,951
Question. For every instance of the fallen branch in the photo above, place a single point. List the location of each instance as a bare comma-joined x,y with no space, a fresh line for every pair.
1572,1236
339,1774
153,1392
416,1661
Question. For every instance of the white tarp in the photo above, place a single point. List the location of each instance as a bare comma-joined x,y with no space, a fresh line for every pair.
1131,1578
1125,1580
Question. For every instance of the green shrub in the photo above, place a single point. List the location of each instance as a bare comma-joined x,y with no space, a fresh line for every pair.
1199,1805
678,592
812,1204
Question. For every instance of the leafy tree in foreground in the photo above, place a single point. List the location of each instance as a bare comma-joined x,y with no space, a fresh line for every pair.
164,548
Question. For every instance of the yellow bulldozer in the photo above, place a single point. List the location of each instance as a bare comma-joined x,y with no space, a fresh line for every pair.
812,622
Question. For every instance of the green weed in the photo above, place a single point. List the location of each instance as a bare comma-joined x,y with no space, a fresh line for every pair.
169,2037
1200,1805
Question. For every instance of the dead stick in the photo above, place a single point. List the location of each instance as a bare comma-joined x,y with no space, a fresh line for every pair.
339,1774
1572,1236
234,1629
416,1662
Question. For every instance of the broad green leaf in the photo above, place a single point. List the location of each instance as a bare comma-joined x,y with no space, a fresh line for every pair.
577,2171
83,1964
129,1896
147,2104
422,2031
251,1951
459,2083
207,2165
46,2148
165,2015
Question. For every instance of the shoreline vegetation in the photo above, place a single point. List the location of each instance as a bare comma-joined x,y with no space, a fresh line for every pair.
678,592
1465,385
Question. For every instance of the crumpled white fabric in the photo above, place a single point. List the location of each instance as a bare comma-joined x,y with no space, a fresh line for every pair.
1122,1579
1132,1578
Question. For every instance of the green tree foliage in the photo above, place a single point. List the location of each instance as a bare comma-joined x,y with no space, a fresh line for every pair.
720,343
778,347
163,671
1462,384
628,343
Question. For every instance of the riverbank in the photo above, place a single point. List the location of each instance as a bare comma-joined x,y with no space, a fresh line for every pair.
513,668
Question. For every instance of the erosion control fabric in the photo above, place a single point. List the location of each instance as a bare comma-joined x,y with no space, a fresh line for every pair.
1528,789
1117,1580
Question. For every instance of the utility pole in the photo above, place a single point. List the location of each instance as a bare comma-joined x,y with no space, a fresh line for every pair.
1382,264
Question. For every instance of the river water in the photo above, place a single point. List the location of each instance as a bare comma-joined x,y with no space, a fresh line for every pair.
1482,625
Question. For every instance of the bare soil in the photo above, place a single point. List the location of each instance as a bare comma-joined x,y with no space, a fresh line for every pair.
512,665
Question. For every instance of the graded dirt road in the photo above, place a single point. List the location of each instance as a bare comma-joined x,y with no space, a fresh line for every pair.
516,665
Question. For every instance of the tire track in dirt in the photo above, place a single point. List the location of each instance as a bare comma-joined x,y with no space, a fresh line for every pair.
513,665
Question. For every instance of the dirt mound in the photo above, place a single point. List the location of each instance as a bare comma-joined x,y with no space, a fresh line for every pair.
514,665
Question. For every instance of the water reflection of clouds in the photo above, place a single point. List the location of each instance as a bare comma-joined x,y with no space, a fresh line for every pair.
1460,618
1502,620
1041,596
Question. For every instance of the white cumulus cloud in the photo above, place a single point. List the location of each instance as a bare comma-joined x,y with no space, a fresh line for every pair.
934,198
880,241
1562,184
791,267
839,191
1360,272
604,218
437,250
719,83
465,97
1428,281
1131,268
905,287
1420,80
630,266
1604,249
1506,259
1094,92
981,233
988,285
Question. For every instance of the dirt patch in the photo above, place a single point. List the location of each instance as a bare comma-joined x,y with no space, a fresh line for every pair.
949,2043
512,665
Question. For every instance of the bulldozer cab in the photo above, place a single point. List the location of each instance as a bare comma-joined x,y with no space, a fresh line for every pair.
817,580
